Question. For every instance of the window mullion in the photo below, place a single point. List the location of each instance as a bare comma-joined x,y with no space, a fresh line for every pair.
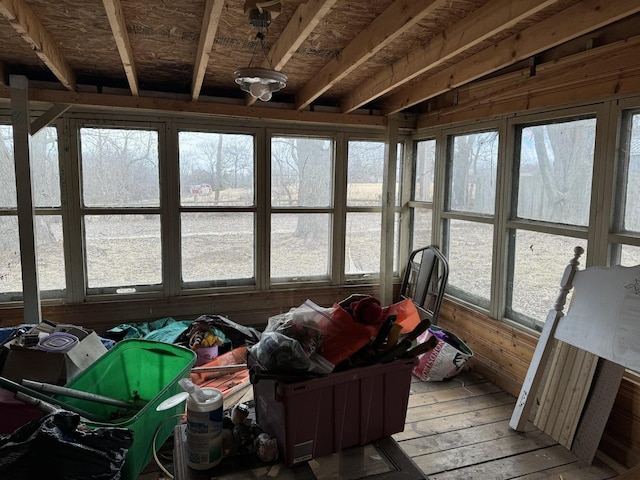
72,218
170,209
262,179
339,230
501,250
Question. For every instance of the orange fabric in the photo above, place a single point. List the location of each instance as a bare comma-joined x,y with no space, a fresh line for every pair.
225,383
407,314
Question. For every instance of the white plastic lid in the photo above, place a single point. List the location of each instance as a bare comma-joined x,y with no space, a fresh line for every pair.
59,342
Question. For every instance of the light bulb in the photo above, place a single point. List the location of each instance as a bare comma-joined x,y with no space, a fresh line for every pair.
266,96
257,90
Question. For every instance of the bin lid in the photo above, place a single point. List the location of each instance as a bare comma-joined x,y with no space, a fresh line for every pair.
58,342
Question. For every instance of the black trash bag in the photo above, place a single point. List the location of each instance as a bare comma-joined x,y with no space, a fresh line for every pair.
238,335
53,448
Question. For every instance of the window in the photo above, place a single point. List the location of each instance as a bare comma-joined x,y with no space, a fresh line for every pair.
217,201
120,209
365,170
554,168
302,171
468,215
422,194
45,179
626,226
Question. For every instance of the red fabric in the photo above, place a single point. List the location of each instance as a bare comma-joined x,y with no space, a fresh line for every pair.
348,336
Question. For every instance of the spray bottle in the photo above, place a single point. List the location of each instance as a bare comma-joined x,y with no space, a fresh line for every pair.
204,425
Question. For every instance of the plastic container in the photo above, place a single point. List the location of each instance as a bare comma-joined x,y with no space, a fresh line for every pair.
145,373
206,354
204,426
57,342
15,413
318,417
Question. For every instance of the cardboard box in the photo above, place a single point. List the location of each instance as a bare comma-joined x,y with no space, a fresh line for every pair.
56,368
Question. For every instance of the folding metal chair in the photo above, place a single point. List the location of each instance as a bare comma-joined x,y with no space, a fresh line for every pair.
425,280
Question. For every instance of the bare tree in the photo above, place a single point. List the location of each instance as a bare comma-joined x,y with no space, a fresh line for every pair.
473,172
120,167
564,154
301,176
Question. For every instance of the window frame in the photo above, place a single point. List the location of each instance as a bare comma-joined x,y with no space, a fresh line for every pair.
446,215
176,209
52,294
513,223
77,248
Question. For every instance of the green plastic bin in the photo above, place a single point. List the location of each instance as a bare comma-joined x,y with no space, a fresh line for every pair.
144,372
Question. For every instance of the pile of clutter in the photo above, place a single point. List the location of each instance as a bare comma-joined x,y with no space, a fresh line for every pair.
307,342
358,331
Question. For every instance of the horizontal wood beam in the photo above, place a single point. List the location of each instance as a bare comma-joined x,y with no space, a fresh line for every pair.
598,73
399,17
480,25
577,20
156,104
25,22
212,12
113,8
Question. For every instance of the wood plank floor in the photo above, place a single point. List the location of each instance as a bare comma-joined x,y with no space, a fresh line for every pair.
459,429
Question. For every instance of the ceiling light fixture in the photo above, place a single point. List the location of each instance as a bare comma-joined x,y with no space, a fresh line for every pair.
260,82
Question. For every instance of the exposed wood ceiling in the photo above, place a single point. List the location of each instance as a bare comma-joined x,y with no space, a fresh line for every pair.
352,58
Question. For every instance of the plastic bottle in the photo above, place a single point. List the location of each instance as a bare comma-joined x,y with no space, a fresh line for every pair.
204,426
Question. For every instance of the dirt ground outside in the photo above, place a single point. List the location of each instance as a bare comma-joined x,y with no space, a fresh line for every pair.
126,251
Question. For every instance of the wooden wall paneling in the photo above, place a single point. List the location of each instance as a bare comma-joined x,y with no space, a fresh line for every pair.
632,474
557,82
491,342
245,308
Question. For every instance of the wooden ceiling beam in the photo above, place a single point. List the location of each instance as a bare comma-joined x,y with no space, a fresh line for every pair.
121,37
156,104
399,17
304,20
601,71
302,23
577,20
480,25
210,21
25,22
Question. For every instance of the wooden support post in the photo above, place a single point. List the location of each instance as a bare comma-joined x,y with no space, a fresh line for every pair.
21,123
388,212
